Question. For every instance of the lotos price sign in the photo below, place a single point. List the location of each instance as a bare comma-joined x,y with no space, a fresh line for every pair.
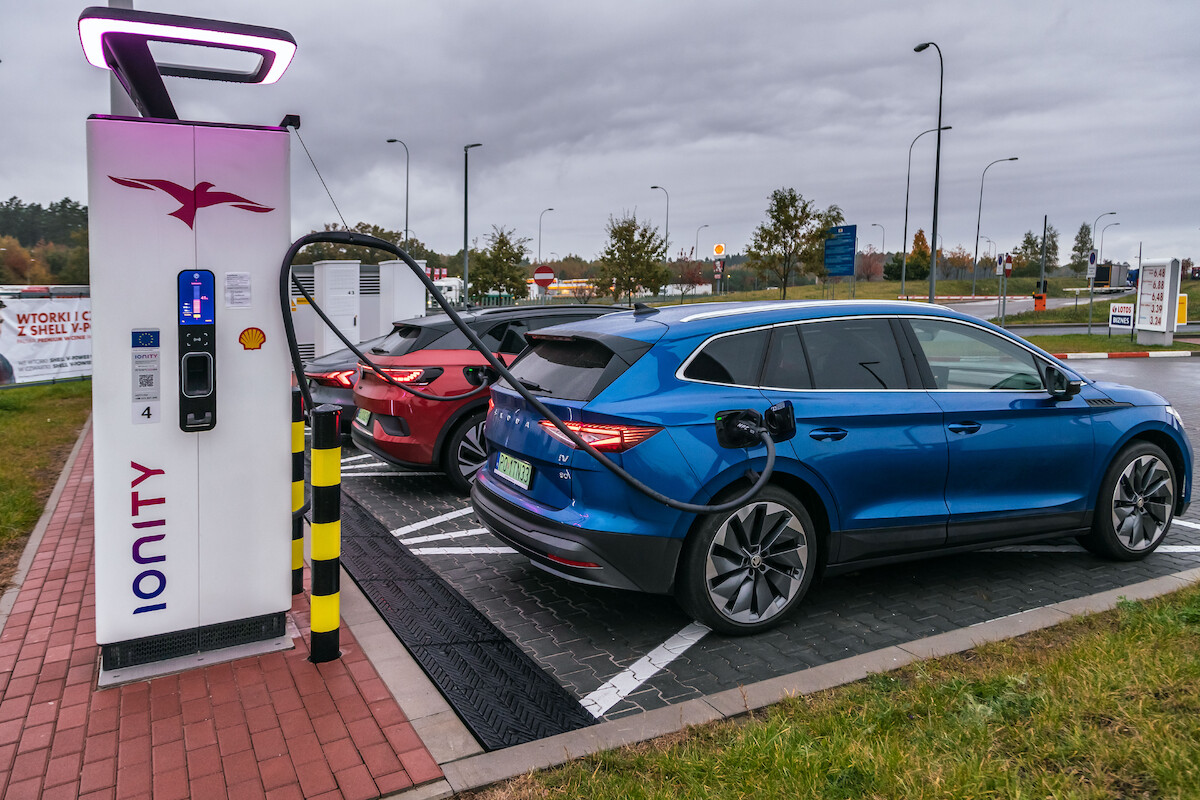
1152,298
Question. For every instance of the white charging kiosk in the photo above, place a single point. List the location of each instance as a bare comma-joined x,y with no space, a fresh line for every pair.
191,385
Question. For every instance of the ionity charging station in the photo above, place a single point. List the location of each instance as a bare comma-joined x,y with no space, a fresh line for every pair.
191,386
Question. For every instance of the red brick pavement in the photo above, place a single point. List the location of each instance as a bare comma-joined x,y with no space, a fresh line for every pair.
272,726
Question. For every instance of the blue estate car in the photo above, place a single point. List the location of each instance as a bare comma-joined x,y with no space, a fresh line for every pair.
918,431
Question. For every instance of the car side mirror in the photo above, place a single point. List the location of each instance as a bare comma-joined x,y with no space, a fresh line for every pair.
1059,385
479,376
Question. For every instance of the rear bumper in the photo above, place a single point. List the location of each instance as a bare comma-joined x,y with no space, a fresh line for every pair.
364,442
640,563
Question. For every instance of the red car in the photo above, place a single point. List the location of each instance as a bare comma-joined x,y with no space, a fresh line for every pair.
432,355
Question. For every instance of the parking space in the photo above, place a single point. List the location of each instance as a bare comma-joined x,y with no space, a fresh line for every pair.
619,653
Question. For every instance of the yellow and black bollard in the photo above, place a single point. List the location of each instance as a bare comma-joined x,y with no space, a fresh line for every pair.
326,533
297,491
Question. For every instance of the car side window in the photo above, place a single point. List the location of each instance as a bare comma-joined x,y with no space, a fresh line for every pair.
787,366
735,359
964,357
853,354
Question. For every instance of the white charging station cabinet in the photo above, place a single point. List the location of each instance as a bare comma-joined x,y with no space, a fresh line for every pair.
191,387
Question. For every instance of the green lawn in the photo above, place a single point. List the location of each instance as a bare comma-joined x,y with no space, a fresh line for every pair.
1100,707
1099,343
38,427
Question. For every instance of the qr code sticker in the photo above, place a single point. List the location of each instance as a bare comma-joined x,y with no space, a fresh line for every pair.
145,381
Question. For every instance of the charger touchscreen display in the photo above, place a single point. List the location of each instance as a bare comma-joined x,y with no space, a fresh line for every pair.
197,303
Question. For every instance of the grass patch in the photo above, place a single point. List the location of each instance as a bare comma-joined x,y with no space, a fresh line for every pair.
38,427
1100,707
1082,343
1079,313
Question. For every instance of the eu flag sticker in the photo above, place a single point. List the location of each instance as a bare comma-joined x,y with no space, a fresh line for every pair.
145,338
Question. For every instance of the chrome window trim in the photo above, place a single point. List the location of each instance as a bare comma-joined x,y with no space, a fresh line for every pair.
1038,357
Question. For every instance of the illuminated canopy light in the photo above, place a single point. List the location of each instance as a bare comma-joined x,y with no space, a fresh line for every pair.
275,46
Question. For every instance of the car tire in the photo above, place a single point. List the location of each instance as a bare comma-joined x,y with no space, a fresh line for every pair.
1135,504
733,584
466,451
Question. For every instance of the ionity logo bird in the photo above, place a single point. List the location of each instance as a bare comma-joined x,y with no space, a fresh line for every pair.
192,199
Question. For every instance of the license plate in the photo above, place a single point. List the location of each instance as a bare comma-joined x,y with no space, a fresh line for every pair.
363,417
514,470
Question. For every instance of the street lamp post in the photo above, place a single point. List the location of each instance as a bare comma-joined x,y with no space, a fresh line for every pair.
1105,214
1100,259
937,163
907,185
394,141
978,217
544,210
695,255
882,237
466,249
667,226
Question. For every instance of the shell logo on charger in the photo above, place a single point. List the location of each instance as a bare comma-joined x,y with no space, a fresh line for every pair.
252,339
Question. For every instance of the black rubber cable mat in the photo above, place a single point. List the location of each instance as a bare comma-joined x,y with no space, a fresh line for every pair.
498,691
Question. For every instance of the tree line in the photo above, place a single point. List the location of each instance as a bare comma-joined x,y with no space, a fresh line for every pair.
46,245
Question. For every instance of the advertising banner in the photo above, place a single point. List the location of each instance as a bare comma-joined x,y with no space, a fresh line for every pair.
45,339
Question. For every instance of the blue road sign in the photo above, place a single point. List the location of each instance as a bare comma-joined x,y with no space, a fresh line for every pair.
839,250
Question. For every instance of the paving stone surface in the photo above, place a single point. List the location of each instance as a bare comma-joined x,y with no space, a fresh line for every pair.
270,726
584,636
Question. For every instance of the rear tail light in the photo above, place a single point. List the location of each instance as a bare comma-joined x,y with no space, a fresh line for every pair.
417,376
342,377
605,438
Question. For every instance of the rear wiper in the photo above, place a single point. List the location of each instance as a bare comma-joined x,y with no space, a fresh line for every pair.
533,387
379,351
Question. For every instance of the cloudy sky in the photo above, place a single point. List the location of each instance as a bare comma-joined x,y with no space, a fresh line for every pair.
582,107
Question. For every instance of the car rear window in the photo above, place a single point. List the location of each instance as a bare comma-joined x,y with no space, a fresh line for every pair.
404,339
735,359
568,369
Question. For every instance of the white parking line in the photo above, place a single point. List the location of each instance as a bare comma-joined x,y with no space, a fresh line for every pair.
617,689
389,474
425,523
356,458
1071,548
1187,523
461,551
365,465
434,537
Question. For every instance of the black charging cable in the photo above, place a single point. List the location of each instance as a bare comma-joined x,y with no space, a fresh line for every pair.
351,238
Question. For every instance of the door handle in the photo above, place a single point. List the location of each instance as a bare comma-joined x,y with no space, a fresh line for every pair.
828,434
963,428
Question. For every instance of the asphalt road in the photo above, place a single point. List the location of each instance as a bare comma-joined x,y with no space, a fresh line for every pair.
619,653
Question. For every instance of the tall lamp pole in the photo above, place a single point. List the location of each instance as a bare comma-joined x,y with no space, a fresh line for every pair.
544,210
1105,214
695,255
466,250
882,236
978,217
394,141
667,226
937,163
1100,259
907,185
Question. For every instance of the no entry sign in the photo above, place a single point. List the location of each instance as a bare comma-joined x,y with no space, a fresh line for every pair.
543,276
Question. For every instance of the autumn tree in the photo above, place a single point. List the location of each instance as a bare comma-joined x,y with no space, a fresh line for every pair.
1083,246
869,266
690,272
499,267
957,261
917,268
792,239
632,259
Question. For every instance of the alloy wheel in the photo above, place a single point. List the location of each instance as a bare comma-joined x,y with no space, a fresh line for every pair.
1142,502
756,563
472,451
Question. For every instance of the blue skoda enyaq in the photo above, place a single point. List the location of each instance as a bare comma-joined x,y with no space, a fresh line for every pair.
918,431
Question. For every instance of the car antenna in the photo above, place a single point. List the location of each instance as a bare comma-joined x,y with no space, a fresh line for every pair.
642,308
